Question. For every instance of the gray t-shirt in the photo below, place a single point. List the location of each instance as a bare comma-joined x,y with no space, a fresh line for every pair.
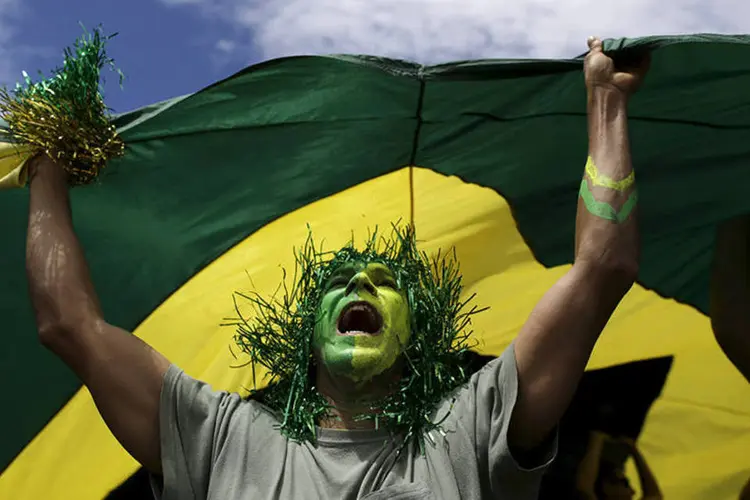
217,446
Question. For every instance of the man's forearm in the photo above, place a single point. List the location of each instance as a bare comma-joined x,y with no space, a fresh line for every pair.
59,283
123,374
730,292
562,330
606,228
649,485
588,467
555,343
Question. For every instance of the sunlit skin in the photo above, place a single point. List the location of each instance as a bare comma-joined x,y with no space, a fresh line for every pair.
364,299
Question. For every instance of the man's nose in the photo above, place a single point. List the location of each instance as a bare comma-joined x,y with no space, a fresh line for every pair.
361,281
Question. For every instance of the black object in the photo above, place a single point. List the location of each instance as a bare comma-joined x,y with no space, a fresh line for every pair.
136,487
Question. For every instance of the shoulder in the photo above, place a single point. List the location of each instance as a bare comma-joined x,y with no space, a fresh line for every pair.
492,377
185,395
495,374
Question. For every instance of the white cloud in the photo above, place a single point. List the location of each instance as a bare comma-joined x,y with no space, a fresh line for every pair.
431,31
225,46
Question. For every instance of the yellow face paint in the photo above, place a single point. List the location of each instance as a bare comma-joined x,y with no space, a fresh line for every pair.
601,180
363,322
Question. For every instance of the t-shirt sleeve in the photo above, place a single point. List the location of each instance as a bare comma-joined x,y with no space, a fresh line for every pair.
489,401
193,420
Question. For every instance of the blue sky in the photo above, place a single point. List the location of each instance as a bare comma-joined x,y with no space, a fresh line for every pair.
163,51
172,47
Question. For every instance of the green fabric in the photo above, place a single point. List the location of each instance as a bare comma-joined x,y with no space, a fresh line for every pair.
520,129
204,171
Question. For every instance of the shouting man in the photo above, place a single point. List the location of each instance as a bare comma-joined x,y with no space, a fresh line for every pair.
370,402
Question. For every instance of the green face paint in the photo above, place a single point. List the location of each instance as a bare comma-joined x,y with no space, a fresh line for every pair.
605,210
362,325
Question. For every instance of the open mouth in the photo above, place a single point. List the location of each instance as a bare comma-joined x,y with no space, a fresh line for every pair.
360,318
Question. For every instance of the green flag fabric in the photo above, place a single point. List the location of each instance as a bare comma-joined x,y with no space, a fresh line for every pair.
483,156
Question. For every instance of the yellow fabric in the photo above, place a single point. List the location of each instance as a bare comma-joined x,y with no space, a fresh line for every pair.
696,437
12,162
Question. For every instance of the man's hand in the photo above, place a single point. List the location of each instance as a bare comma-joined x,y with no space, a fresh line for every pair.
601,71
599,436
629,443
50,167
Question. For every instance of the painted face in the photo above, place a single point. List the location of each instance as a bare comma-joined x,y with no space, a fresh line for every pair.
363,323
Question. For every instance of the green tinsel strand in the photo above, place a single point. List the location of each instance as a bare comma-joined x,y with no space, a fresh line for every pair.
64,116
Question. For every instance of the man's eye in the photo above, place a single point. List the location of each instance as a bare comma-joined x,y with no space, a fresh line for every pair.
337,283
389,284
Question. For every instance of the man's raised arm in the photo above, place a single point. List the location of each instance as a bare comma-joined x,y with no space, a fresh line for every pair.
555,344
123,374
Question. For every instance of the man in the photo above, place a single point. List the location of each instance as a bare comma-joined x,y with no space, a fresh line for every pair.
730,292
730,297
498,430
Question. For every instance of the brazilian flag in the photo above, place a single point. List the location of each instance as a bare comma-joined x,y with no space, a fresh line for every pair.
217,187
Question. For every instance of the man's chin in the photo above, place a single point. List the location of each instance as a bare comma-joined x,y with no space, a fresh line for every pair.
369,362
360,364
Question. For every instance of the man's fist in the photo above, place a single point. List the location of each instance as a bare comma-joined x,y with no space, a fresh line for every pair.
601,72
46,167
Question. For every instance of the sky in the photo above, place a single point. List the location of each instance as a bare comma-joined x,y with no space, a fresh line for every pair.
168,48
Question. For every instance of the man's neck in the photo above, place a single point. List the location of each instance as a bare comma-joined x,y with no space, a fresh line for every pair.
351,401
340,417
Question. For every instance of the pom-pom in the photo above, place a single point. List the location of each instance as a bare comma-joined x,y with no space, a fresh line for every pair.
64,116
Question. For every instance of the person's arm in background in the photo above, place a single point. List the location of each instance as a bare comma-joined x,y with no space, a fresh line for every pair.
649,486
730,292
588,468
554,345
123,374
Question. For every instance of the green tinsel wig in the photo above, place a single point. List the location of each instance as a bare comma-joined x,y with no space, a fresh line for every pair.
279,335
64,116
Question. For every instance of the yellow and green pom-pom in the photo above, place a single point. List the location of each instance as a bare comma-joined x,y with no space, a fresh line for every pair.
64,116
